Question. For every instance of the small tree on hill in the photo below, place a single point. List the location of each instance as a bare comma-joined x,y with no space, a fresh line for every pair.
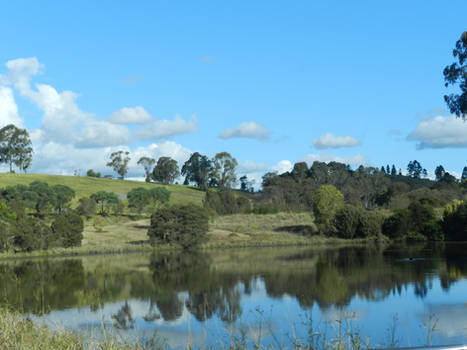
119,162
63,196
197,169
138,198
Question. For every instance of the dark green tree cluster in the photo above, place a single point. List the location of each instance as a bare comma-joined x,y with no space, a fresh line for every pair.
182,225
225,202
140,198
217,172
38,196
92,173
105,201
21,232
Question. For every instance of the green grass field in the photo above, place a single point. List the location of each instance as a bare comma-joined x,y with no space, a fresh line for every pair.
85,186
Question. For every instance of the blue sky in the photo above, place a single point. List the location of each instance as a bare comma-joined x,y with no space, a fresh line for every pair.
272,83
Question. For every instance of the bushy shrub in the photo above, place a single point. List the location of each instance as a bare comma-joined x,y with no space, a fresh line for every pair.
355,222
326,201
68,229
455,221
32,234
183,225
418,219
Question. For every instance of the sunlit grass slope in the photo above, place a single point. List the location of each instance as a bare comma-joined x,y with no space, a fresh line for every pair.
85,186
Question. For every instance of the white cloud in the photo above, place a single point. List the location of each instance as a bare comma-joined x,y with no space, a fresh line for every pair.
354,160
8,108
249,166
440,132
330,141
283,166
165,128
102,134
20,72
249,130
127,115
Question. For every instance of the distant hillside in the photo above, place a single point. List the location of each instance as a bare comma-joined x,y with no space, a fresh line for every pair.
85,186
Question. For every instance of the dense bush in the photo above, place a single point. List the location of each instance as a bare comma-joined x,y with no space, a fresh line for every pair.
326,201
68,228
455,221
32,234
140,198
183,225
417,222
226,202
355,222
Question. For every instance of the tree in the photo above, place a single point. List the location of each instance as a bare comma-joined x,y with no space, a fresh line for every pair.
147,163
92,173
197,169
158,196
86,207
68,228
183,225
464,174
104,200
63,196
44,198
246,185
456,74
415,169
439,172
326,201
393,170
223,170
300,171
15,147
119,162
166,170
138,198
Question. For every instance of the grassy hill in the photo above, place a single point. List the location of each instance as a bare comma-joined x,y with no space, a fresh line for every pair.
85,186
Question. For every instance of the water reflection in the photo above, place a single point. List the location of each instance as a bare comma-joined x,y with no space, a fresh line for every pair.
169,289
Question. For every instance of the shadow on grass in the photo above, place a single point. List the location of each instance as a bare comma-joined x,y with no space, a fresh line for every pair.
141,242
302,230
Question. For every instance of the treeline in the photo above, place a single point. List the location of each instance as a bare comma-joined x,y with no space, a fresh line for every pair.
24,221
39,216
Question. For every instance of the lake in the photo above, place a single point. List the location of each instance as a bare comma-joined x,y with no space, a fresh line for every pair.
398,296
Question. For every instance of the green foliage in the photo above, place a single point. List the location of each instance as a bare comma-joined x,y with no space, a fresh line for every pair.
183,225
166,170
104,200
63,197
455,221
92,173
138,198
223,170
32,234
46,197
119,162
68,228
417,220
86,207
455,74
15,147
326,201
197,169
355,222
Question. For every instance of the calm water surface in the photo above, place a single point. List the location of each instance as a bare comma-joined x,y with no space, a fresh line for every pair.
406,295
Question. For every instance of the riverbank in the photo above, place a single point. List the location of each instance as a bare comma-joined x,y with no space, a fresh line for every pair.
113,235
